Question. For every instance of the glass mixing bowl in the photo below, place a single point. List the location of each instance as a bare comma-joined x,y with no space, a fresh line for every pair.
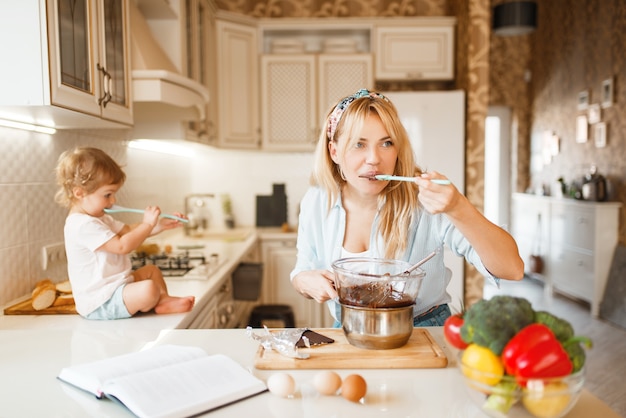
501,397
376,282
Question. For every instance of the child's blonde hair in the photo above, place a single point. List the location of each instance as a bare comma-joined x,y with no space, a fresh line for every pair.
86,168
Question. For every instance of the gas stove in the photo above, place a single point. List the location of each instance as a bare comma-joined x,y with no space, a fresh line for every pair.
174,265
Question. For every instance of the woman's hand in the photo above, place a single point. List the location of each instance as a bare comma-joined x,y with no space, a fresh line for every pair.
436,198
316,284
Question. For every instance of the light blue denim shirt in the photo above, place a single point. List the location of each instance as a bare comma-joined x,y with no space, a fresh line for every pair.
320,240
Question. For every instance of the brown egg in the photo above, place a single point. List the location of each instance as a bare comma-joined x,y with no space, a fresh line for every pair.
353,387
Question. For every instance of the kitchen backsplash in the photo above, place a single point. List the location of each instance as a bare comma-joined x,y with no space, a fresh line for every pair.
31,219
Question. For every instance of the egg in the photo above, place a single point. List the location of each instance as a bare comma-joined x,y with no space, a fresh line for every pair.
327,382
281,384
353,387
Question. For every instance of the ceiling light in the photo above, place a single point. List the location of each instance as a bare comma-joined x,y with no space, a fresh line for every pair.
515,18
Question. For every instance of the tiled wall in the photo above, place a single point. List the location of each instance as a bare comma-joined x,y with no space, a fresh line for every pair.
30,218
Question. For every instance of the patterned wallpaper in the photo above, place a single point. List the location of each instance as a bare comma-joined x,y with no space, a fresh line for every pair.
472,68
540,77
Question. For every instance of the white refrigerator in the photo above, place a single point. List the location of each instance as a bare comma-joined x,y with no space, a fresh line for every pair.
435,121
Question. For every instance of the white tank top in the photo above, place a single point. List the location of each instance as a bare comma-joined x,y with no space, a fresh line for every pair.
345,253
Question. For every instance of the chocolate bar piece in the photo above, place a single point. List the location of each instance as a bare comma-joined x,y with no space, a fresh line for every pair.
314,339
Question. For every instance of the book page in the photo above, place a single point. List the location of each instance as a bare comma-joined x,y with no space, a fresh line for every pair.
185,389
91,376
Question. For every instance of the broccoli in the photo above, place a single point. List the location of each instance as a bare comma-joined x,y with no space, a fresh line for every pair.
561,329
493,322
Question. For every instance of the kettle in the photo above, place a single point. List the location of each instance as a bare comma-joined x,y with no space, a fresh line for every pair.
594,186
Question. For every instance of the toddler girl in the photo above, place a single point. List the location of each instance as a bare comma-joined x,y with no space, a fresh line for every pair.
98,246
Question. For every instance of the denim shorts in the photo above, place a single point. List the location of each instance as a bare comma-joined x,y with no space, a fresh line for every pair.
433,318
114,308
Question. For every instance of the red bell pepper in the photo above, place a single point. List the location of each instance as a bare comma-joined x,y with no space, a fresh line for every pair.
534,352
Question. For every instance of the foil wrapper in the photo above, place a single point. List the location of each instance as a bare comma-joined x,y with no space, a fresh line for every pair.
283,341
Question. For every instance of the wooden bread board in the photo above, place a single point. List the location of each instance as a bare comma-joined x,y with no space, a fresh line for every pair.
26,308
421,351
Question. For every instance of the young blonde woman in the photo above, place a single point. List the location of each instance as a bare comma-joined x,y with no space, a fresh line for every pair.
345,214
98,246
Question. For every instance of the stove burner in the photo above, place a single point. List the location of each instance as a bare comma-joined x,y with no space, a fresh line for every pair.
171,265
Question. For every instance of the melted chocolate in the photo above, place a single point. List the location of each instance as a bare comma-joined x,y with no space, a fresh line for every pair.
373,295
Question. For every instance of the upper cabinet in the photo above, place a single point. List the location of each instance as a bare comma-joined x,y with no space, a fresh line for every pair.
235,96
298,91
306,67
421,51
70,68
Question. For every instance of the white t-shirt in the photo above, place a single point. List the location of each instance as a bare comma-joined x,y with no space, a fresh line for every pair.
94,275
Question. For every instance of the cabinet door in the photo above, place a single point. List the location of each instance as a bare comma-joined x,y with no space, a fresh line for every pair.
415,53
573,226
288,111
340,76
572,271
279,258
113,62
89,66
73,45
237,85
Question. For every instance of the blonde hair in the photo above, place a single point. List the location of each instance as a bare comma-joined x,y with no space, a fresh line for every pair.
398,201
85,168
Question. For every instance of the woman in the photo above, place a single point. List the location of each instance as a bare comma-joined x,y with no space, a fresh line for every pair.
346,214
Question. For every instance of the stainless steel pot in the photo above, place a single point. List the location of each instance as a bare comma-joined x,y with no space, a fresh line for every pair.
377,328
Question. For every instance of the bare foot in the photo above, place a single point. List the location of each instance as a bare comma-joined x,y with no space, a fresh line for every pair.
172,304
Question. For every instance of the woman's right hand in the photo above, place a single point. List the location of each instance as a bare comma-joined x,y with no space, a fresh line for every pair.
315,284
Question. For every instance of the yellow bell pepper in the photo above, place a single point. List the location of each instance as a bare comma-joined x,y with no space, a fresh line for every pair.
482,365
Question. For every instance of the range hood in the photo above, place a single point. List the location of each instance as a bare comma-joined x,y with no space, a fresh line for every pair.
159,90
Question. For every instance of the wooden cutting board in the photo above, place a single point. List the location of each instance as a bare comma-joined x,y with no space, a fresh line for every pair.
26,308
421,351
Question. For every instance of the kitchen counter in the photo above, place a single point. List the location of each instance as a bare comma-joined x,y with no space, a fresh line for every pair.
33,358
231,252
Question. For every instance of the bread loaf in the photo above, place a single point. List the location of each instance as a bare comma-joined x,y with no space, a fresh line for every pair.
64,300
44,294
64,287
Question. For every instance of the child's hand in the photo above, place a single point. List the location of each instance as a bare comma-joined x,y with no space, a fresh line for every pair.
151,215
167,223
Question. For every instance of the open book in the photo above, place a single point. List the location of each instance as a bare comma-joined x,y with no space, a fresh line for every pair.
166,381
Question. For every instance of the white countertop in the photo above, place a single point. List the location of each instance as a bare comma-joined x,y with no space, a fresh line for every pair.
231,252
30,360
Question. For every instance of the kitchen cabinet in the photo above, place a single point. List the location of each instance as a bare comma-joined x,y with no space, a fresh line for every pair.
71,66
579,245
279,259
234,99
297,91
420,51
199,56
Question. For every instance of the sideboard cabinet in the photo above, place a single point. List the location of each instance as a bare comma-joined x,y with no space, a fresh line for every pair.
576,240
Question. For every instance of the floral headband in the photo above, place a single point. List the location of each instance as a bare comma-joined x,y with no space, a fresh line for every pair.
335,116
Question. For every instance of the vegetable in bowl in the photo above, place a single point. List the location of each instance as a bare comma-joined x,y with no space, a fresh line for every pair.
517,361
